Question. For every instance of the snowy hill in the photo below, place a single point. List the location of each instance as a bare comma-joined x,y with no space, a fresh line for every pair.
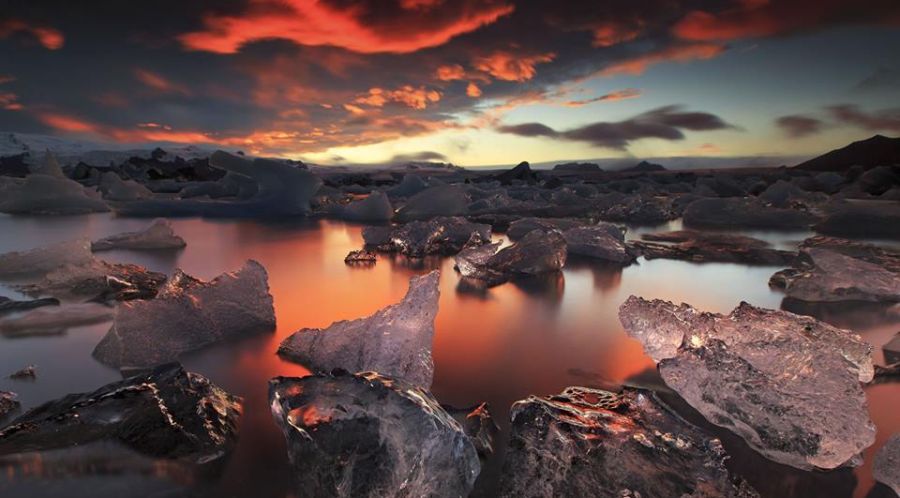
70,151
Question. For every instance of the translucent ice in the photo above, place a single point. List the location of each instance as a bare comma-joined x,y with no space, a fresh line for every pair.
159,235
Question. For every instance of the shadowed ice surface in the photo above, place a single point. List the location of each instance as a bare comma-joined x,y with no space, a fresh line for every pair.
529,336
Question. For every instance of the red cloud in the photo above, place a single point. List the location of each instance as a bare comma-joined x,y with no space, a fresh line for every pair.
678,53
50,38
417,25
627,93
508,66
416,98
450,72
473,91
758,18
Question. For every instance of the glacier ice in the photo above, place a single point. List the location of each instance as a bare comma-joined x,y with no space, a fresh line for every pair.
159,235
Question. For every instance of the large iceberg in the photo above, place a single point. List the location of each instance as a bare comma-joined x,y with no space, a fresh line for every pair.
788,384
375,207
442,200
395,341
366,435
159,235
164,413
283,190
591,442
47,191
189,314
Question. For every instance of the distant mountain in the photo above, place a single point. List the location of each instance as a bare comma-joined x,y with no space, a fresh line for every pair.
876,151
72,151
645,167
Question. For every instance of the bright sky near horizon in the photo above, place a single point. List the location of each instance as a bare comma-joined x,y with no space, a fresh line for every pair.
472,82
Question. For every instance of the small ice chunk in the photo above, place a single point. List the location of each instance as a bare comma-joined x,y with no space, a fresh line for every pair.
395,341
98,280
54,320
189,314
159,235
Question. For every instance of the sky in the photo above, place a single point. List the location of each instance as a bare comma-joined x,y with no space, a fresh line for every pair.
473,82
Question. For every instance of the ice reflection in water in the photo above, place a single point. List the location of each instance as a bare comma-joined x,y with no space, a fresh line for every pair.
529,336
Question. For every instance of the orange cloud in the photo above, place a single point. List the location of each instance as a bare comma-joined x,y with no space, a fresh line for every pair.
159,82
473,91
416,98
628,93
314,23
10,102
679,53
507,66
49,38
450,72
609,34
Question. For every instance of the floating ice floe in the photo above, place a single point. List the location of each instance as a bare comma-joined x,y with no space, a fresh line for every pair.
702,247
441,235
602,241
590,442
189,314
8,305
159,235
164,413
45,259
536,253
54,320
375,207
365,435
97,280
49,195
788,384
395,341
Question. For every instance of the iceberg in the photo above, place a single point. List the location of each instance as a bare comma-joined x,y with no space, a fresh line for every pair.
159,235
45,259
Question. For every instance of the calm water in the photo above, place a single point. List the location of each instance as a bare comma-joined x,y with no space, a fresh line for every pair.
534,337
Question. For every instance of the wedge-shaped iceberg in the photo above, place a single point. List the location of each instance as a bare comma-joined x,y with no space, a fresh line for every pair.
189,314
395,341
45,194
159,235
283,190
375,207
590,442
115,189
164,413
442,200
45,259
366,435
788,384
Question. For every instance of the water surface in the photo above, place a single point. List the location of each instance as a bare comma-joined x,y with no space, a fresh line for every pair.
529,337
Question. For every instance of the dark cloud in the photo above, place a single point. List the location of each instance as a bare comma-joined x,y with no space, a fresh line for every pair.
426,155
664,123
303,76
882,120
883,78
798,126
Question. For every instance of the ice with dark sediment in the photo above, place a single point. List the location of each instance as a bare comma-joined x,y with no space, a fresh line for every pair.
361,257
98,281
394,341
159,235
703,247
886,469
163,413
283,190
366,435
601,241
789,385
8,305
832,270
44,259
441,235
478,423
54,320
8,404
189,314
375,207
536,253
114,188
591,442
442,200
522,227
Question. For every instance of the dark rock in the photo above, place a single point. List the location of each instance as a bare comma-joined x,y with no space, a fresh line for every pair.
166,413
602,241
590,442
578,167
645,167
27,373
877,181
14,166
834,270
395,340
892,350
189,314
702,247
744,213
876,151
870,219
8,305
522,172
536,253
361,256
478,424
787,384
365,435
